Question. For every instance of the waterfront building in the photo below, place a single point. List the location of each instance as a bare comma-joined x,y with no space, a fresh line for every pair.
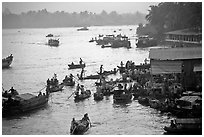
184,38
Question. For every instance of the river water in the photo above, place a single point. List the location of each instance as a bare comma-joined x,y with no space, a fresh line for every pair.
34,62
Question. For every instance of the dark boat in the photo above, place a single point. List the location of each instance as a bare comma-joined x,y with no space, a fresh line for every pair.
49,35
122,41
55,88
106,46
192,126
109,72
121,95
76,66
121,69
87,94
68,82
90,77
6,62
53,42
83,29
79,127
145,41
23,103
105,40
98,96
143,100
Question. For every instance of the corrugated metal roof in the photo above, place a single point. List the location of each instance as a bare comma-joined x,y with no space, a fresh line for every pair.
185,32
190,98
165,67
176,53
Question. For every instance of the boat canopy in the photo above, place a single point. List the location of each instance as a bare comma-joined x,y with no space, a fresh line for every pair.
191,99
24,97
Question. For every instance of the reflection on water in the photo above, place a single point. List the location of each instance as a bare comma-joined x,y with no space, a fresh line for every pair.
34,62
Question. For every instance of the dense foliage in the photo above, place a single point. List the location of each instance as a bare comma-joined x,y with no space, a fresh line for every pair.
43,18
169,16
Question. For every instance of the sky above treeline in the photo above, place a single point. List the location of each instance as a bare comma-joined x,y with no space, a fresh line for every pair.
95,7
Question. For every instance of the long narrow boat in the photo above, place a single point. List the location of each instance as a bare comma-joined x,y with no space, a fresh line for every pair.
68,82
121,96
23,103
53,42
76,66
6,62
55,88
87,94
79,127
185,126
90,77
98,96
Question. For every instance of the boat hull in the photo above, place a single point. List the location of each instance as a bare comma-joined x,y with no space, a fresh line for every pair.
24,106
79,127
87,94
76,66
6,62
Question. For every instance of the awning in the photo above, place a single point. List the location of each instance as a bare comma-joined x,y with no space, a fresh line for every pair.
165,67
197,68
191,99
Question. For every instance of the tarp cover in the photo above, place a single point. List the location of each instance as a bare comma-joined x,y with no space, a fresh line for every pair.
26,96
165,67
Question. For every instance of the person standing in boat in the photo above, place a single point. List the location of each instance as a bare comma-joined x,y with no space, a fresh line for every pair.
80,62
101,70
82,89
121,64
77,90
82,73
100,73
86,118
71,77
13,91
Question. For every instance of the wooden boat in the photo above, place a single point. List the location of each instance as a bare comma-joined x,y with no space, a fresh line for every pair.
6,62
55,88
143,100
87,94
53,42
98,96
154,103
188,106
49,35
83,29
79,127
68,82
109,72
121,69
90,77
76,66
120,43
185,126
121,95
146,41
106,46
23,103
